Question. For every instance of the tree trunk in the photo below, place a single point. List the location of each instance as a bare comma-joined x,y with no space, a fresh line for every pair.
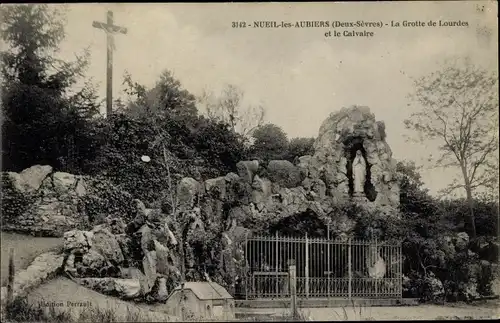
471,221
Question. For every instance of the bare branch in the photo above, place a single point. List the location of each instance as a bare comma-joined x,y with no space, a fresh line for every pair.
489,148
229,108
459,108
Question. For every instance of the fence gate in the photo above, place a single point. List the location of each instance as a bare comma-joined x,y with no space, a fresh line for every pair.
325,268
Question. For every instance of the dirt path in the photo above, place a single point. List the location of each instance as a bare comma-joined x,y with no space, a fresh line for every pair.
26,248
66,295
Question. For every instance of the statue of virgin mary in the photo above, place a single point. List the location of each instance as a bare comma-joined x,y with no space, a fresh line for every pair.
359,173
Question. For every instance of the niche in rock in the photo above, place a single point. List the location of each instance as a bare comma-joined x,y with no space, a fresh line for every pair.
351,146
299,224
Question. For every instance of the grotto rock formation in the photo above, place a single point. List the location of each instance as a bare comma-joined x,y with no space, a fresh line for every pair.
341,135
212,218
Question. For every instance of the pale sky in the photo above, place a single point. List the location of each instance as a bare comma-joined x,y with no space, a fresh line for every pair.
300,75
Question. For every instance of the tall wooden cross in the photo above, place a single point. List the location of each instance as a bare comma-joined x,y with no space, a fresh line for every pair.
110,30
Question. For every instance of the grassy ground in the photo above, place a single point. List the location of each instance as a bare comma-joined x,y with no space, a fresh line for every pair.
26,248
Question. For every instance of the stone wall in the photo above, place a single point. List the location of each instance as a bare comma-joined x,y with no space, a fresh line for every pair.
53,201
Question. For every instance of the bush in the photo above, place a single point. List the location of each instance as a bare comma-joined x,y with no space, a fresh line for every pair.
372,225
299,147
270,143
105,199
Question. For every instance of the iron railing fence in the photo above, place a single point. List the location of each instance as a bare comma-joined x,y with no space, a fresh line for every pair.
325,268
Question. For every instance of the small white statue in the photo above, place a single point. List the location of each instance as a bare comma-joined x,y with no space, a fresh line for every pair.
359,173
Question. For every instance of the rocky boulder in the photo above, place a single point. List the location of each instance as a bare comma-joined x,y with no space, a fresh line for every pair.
461,241
95,253
122,288
188,191
79,241
247,169
434,288
30,179
216,188
105,243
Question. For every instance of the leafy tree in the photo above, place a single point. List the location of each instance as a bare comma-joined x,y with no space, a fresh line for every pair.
460,111
414,197
167,95
270,142
228,108
431,230
147,125
44,122
218,146
300,147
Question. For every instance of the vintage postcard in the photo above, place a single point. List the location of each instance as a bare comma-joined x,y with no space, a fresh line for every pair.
299,161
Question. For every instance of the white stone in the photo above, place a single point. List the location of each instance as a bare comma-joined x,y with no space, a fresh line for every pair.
149,264
32,178
80,188
63,182
162,254
127,288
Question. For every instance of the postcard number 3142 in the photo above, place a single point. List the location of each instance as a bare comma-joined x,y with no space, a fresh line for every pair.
239,24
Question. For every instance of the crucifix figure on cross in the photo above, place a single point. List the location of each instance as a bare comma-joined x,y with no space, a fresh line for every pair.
110,30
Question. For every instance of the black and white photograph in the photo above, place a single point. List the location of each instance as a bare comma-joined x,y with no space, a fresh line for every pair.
242,162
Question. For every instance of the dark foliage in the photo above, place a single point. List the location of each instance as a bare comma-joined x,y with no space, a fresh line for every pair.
270,143
42,122
299,147
435,247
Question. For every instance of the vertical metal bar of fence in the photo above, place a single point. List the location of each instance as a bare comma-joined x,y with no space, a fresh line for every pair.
259,258
277,266
328,260
247,263
306,269
383,288
329,266
335,265
400,269
349,269
292,274
375,257
384,257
